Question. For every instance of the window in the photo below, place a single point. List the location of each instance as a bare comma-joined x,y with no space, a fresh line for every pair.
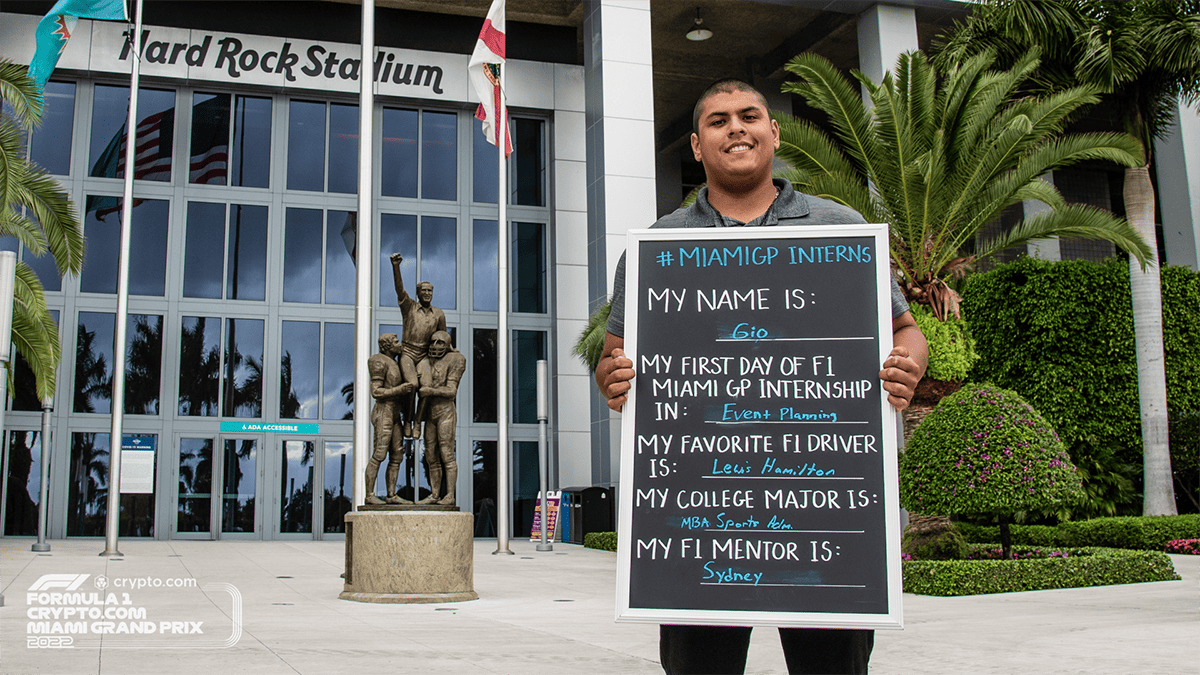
528,347
209,382
23,482
50,144
94,363
214,160
147,246
338,372
399,155
343,148
529,163
397,234
302,257
299,369
485,266
529,268
439,161
155,133
439,258
88,502
244,254
306,146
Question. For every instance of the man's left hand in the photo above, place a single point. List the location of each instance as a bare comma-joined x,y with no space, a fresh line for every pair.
900,376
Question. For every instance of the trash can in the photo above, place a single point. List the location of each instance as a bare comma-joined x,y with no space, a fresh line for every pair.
586,509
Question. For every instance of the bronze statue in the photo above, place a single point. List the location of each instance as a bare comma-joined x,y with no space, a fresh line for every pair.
439,375
421,320
387,388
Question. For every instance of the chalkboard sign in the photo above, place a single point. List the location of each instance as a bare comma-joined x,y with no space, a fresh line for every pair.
758,450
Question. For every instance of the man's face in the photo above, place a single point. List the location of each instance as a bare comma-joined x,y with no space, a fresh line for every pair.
425,294
737,139
438,347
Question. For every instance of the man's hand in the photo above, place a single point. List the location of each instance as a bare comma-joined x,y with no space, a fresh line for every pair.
614,372
900,376
396,258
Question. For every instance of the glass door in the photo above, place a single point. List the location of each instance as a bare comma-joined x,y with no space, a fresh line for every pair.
218,488
338,493
296,477
240,517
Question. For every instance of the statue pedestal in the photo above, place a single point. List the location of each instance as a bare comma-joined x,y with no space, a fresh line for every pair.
408,556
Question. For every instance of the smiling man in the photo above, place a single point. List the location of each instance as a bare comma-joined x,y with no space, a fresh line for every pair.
735,139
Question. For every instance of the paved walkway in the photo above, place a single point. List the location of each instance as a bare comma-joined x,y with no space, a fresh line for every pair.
537,613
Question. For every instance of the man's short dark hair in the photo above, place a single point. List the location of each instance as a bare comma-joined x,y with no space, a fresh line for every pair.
728,85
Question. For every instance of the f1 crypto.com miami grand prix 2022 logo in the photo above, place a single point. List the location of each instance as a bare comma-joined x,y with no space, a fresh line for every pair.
63,611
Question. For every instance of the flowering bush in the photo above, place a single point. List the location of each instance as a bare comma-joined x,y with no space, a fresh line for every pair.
985,451
1185,546
998,554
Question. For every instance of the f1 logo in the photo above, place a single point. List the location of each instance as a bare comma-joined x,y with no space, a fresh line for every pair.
67,582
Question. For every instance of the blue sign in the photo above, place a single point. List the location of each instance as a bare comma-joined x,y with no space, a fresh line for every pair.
269,427
138,442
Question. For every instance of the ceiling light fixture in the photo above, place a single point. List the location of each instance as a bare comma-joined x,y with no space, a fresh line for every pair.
699,32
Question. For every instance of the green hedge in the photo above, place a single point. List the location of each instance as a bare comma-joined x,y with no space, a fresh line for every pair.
605,541
951,348
1060,334
1083,567
1146,533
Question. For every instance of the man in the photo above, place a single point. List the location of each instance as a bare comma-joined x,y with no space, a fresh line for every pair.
735,139
387,387
439,375
421,320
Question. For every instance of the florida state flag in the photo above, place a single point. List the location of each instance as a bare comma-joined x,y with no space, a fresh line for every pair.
484,71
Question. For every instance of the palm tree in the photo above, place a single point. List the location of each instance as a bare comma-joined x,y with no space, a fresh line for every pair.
36,210
1144,56
940,158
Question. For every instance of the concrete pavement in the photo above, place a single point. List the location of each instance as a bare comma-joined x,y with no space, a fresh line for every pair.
537,613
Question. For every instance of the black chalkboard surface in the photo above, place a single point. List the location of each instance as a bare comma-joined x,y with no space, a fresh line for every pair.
758,455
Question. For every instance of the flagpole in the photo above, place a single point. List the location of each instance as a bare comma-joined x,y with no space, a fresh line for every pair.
502,452
113,515
363,255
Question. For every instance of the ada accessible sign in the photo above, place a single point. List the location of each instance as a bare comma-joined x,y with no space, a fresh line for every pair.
758,446
269,427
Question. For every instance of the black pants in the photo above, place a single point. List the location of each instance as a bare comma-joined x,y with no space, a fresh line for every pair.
720,650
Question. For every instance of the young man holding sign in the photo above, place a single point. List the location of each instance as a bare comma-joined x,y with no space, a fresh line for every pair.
735,139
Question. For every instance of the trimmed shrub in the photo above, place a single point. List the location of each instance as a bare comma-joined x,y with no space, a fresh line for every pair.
951,348
605,541
984,451
1080,567
1061,335
933,538
1146,533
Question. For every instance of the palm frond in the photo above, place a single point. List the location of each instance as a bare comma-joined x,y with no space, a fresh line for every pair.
34,332
1073,220
19,91
589,346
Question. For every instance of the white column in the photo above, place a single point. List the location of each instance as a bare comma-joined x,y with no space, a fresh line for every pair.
1177,160
1046,249
619,86
885,32
572,384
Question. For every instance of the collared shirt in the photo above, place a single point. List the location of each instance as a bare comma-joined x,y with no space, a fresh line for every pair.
789,208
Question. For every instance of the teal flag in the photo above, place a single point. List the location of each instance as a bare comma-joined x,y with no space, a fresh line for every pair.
55,29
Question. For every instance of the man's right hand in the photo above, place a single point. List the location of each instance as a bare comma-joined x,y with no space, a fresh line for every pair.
614,372
396,258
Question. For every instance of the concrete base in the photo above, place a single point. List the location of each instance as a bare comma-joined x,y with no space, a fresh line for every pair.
409,557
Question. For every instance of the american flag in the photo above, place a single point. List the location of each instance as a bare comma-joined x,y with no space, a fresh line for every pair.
152,157
210,142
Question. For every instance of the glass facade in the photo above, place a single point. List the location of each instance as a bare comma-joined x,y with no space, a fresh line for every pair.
242,291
